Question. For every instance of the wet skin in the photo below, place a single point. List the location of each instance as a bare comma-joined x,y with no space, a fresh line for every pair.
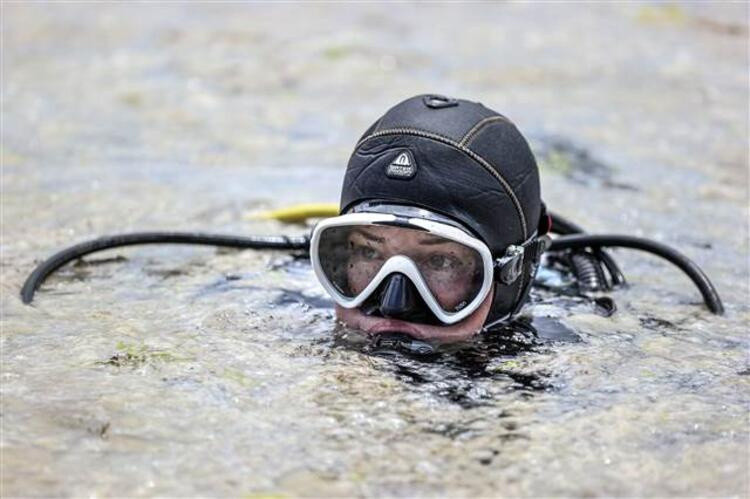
450,266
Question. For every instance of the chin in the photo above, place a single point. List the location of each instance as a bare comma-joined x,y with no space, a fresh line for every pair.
460,331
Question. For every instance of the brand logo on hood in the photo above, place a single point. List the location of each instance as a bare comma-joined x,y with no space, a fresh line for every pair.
403,167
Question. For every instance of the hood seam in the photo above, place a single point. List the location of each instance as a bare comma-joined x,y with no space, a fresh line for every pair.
463,148
478,127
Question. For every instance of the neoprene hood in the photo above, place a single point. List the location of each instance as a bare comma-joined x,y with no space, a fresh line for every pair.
462,160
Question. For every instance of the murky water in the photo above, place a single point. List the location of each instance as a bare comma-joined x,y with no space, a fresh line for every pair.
192,371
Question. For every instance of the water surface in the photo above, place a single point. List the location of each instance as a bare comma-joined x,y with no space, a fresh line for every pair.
194,371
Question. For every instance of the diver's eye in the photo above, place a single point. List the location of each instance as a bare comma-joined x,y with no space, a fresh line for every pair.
439,261
364,252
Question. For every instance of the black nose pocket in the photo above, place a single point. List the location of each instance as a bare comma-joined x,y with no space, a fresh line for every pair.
399,297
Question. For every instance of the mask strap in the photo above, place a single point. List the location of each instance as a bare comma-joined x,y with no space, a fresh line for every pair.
494,323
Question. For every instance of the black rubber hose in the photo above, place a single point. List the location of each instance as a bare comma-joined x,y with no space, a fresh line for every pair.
577,241
44,269
614,270
563,226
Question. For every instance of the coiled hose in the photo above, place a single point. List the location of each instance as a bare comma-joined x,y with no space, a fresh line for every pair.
588,271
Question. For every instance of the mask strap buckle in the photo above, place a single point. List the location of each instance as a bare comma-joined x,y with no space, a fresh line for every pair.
510,265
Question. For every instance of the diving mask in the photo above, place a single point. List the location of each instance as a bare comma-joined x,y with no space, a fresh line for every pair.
378,247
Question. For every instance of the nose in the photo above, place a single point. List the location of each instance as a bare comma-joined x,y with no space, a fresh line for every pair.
399,298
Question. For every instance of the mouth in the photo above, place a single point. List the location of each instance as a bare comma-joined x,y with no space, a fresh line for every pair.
394,326
377,326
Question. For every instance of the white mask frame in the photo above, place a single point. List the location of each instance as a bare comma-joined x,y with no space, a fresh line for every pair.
402,263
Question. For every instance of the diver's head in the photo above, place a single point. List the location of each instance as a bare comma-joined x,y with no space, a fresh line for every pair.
440,227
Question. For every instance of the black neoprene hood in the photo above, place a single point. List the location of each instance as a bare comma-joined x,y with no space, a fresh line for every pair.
470,163
461,160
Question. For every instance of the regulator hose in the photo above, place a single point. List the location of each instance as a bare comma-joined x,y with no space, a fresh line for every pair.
47,267
580,241
588,272
614,271
302,243
564,227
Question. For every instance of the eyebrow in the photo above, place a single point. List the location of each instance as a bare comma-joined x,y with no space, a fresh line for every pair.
434,241
369,236
430,241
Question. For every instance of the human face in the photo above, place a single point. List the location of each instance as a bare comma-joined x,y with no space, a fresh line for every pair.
450,268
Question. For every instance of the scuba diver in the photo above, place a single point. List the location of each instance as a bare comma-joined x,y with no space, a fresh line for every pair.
442,223
440,229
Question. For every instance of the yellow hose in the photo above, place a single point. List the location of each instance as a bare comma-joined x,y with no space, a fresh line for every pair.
299,213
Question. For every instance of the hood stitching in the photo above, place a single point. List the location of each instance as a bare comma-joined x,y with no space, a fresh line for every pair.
463,148
476,128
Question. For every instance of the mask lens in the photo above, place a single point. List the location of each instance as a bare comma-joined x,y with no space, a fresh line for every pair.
351,256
